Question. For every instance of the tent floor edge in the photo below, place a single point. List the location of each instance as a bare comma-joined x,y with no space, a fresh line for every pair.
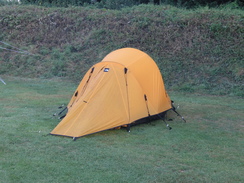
149,119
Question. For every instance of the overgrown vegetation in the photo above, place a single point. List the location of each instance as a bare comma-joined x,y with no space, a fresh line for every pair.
118,4
208,148
198,50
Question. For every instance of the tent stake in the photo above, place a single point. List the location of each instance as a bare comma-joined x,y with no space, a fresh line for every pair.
173,108
162,118
128,128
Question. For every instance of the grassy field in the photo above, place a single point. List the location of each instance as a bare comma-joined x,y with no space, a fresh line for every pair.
208,148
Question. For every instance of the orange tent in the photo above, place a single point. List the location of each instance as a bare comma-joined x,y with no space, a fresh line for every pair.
122,89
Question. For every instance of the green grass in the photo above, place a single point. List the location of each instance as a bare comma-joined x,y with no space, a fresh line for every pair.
208,148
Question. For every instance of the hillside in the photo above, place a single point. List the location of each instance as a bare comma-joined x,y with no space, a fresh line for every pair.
196,50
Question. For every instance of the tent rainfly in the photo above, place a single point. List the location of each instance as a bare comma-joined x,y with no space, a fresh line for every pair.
124,89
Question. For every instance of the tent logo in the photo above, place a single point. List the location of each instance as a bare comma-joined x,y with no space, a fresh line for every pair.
106,70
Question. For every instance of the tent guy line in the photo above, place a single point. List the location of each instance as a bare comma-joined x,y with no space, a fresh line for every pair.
17,50
2,81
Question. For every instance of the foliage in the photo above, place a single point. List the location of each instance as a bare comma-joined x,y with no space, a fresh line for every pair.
58,3
198,3
118,4
196,50
8,2
208,148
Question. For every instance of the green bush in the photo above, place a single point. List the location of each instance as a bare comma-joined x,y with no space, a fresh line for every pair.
58,3
196,50
118,4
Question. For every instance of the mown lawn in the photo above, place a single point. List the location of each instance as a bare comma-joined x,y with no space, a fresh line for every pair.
208,148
